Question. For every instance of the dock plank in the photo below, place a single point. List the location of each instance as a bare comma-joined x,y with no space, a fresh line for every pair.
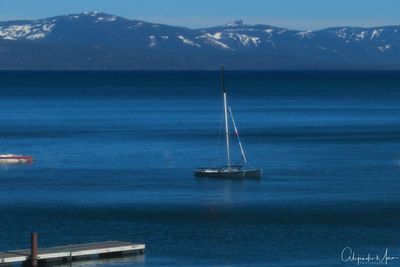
71,251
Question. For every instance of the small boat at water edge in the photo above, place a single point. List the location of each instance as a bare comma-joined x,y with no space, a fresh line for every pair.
11,158
230,171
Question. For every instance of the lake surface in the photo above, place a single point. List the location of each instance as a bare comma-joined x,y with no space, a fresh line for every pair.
115,153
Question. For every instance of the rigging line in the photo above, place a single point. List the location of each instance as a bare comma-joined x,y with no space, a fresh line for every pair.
238,137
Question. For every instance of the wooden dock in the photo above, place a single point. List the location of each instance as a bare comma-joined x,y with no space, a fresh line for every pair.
70,253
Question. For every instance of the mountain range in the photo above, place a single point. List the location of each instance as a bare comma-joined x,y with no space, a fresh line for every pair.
95,40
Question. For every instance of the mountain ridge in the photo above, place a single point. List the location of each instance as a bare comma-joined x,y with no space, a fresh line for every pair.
96,40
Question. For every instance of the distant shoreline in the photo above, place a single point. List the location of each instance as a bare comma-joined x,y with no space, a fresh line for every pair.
100,41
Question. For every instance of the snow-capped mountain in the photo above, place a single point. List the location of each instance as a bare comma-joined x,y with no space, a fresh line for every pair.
94,40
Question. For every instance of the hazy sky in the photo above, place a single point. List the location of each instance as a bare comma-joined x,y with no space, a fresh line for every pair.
296,14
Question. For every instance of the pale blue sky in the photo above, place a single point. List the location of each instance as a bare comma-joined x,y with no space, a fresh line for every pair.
296,14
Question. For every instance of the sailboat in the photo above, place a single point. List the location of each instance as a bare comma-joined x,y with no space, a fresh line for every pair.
230,171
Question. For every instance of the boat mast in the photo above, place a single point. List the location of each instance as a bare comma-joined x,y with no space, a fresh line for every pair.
226,119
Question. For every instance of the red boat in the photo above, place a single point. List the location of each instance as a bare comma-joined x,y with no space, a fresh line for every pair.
11,158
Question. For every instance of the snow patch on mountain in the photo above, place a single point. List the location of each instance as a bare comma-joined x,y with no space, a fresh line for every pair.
26,31
360,36
153,41
217,35
376,33
91,13
305,34
106,19
235,23
245,39
209,39
342,33
384,48
137,25
269,32
188,42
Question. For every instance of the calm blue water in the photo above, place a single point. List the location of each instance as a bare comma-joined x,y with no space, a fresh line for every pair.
115,153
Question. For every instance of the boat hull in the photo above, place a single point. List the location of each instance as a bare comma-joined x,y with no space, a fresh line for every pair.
12,159
229,174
